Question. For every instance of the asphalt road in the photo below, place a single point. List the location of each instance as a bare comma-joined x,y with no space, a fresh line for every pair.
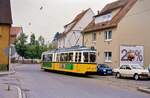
40,84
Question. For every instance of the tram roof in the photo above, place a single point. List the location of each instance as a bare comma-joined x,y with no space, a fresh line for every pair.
74,48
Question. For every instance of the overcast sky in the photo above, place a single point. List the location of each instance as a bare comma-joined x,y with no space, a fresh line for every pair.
53,16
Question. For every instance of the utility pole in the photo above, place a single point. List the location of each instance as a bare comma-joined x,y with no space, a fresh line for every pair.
9,63
82,38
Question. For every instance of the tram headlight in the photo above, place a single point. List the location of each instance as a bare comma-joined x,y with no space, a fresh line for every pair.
104,70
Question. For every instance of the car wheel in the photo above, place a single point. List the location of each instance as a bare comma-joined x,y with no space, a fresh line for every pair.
118,75
136,77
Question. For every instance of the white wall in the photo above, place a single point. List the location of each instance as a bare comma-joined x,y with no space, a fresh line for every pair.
71,38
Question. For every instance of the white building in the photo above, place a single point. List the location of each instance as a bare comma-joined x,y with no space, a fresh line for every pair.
72,34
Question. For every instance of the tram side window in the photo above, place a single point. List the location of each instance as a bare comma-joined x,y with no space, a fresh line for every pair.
92,57
79,60
71,57
62,57
58,58
78,57
85,54
66,57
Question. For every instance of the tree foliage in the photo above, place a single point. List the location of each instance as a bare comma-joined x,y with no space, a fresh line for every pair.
41,40
32,39
21,44
33,49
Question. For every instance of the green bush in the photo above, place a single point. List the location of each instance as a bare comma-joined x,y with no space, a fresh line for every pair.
3,67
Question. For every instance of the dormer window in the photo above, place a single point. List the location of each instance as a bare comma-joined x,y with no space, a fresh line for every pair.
103,18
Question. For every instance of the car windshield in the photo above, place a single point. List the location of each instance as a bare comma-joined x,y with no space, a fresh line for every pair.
104,66
137,67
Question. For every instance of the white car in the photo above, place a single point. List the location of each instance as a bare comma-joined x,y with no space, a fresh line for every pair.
134,71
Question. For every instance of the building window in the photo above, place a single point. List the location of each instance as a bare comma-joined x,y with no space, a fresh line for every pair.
108,56
108,35
94,37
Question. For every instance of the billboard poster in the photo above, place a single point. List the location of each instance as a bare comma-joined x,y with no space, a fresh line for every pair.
131,55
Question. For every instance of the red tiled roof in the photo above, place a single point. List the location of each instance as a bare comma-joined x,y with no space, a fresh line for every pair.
124,5
5,12
75,21
14,31
112,6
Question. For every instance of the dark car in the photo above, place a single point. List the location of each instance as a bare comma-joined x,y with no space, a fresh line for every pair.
104,69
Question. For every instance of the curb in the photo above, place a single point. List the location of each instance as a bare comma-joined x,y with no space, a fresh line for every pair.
20,93
11,71
7,73
144,89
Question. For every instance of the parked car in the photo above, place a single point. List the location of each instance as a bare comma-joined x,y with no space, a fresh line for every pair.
104,69
134,71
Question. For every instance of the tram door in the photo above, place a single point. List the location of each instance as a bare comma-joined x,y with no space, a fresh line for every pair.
78,60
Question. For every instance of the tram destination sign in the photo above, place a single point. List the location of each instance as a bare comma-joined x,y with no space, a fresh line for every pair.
131,55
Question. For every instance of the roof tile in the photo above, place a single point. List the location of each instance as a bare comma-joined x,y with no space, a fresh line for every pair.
14,31
75,21
124,5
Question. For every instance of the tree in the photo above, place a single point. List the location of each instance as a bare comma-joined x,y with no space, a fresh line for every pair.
32,50
32,39
51,47
41,40
20,44
31,53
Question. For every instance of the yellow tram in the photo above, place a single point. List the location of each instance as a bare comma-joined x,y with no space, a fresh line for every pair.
75,60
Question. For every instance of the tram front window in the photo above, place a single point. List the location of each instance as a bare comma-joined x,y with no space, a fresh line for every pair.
85,54
49,57
92,57
43,58
89,57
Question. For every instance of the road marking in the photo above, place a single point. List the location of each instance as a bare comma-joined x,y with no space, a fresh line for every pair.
20,93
